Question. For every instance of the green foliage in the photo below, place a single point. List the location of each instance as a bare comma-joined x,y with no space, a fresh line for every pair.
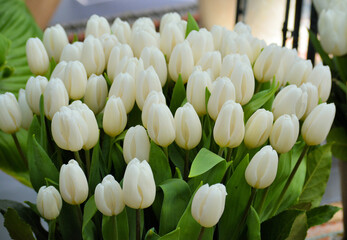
203,162
318,47
159,164
70,222
338,138
178,95
320,215
253,225
191,25
88,227
13,223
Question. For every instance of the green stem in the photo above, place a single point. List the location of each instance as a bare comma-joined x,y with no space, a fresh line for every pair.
51,233
230,151
258,87
186,166
289,180
138,224
221,151
20,151
202,230
79,160
166,151
80,216
261,205
87,153
109,161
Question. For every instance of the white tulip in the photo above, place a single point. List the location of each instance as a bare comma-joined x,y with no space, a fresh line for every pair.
228,44
321,78
136,144
97,26
33,90
75,79
115,116
218,34
145,23
181,62
257,46
122,30
167,18
242,28
312,97
48,202
230,61
170,36
148,39
116,55
96,93
200,41
59,70
93,56
131,65
124,87
55,96
37,56
27,114
298,72
72,52
152,98
211,61
152,56
108,41
55,39
289,56
10,113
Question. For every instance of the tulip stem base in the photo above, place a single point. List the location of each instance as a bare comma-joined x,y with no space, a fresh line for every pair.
51,233
229,152
290,179
201,234
20,151
138,224
87,153
186,166
221,151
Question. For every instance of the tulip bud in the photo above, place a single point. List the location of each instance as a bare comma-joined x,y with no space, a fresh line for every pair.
312,97
237,44
109,197
108,41
136,144
208,204
72,52
320,5
93,57
27,114
200,41
262,169
115,116
55,39
167,18
229,128
73,183
146,82
55,96
138,185
90,120
218,33
196,89
33,90
267,63
75,79
122,30
188,127
211,61
10,113
144,23
152,56
284,133
257,46
242,28
148,39
298,72
48,202
97,26
59,70
243,80
222,90
152,98
132,65
116,55
181,62
321,78
37,56
290,100
318,123
258,128
123,87
96,93
170,36
230,61
69,129
289,56
161,125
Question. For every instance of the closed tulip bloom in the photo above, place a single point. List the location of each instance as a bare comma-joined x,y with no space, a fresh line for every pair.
59,70
115,116
152,56
200,41
161,125
284,133
144,23
230,61
243,79
242,28
228,44
208,204
267,63
257,45
222,90
237,44
73,183
171,17
33,90
48,202
212,62
299,72
181,62
289,56
27,114
290,100
317,125
146,82
170,36
116,55
136,144
312,97
262,169
138,185
37,56
196,89
10,113
124,87
258,128
55,39
188,127
72,52
218,34
108,41
96,93
122,30
152,98
55,96
321,78
148,39
93,56
69,129
132,65
97,26
109,197
89,118
75,79
229,129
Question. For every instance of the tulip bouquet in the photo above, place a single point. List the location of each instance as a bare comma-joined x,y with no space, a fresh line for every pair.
183,133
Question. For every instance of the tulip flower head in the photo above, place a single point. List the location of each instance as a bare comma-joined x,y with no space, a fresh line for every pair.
48,202
55,39
37,56
10,113
27,114
136,144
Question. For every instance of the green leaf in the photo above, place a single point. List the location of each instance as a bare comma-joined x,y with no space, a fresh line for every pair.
109,228
174,235
13,223
122,225
177,156
5,44
176,193
151,235
87,225
131,213
117,158
203,162
70,222
253,225
178,95
318,47
43,135
159,164
95,169
320,215
236,201
338,138
318,171
191,25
